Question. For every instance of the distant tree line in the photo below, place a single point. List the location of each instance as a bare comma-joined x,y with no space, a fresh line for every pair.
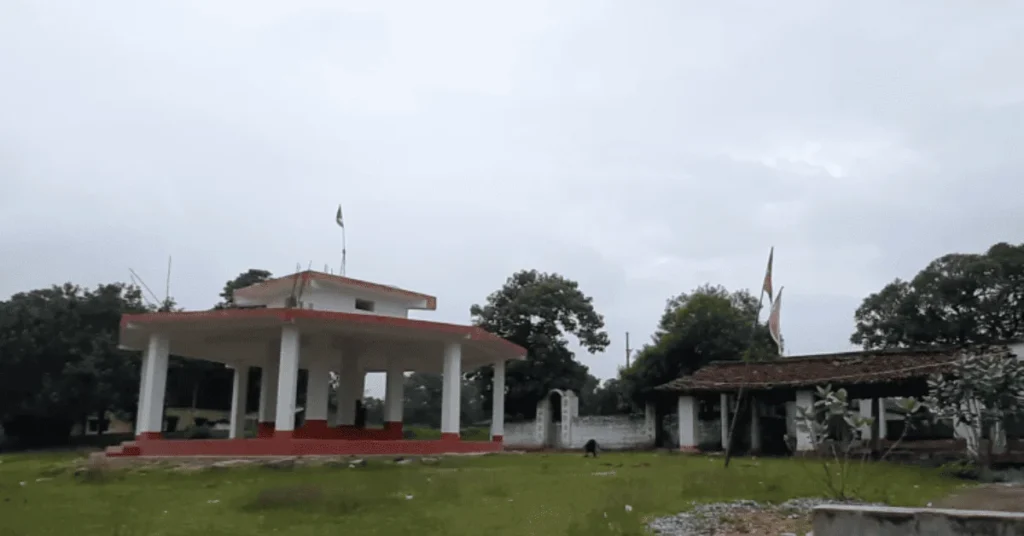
60,363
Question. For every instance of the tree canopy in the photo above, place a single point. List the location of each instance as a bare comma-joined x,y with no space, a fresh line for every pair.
707,324
244,279
59,360
537,311
957,300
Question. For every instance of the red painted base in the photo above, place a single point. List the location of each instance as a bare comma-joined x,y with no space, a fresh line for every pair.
449,437
689,450
313,428
498,438
149,436
265,430
285,446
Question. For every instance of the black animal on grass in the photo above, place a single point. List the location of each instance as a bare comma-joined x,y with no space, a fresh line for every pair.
590,448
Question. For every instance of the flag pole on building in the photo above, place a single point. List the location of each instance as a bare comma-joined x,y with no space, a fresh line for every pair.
766,287
341,223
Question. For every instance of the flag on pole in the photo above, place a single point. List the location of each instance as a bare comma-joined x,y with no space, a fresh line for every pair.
339,219
766,287
774,324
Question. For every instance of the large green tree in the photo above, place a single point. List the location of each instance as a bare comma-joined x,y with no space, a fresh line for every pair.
537,311
59,360
708,324
249,277
957,299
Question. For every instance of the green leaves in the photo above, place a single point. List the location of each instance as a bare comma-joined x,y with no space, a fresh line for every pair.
956,300
537,311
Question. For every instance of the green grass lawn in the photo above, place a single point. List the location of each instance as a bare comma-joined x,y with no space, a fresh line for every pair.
542,494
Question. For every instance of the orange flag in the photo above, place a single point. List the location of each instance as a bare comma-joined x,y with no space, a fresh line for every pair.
767,286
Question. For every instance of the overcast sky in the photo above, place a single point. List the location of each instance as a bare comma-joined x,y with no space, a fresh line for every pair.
641,148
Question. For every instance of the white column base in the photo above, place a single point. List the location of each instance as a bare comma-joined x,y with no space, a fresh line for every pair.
287,382
689,424
498,403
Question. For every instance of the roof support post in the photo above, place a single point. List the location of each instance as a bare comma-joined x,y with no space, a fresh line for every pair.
154,385
804,399
317,391
239,395
394,396
287,381
689,423
498,403
451,396
351,382
268,397
724,417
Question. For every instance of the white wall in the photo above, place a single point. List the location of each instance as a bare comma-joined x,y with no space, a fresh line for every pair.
343,302
521,435
611,433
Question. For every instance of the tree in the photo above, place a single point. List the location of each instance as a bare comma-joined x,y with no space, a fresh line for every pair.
956,300
708,324
985,390
604,398
536,311
59,360
247,278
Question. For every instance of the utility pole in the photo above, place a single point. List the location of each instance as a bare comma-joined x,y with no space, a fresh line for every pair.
628,351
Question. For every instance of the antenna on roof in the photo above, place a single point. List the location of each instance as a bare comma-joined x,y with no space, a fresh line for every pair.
163,305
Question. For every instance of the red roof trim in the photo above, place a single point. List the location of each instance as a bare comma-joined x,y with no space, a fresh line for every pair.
340,279
287,315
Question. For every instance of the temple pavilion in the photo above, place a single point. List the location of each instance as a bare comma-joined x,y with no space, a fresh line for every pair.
325,324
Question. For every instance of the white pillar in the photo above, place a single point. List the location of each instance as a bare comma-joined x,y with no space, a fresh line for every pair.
755,426
864,409
268,391
498,403
451,396
141,413
239,396
883,424
317,390
724,416
689,422
350,388
154,385
287,380
804,399
394,393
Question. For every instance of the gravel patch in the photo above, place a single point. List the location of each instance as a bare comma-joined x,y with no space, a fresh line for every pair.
708,519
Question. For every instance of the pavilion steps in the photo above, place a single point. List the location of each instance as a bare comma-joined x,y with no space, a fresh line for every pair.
128,448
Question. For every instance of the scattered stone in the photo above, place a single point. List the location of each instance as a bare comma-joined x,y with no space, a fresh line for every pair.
227,464
604,473
706,519
430,461
359,462
282,464
403,461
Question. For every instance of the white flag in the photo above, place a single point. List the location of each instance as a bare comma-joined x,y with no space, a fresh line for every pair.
774,323
339,219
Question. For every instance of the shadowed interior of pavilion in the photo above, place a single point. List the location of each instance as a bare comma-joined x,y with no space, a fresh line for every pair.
349,344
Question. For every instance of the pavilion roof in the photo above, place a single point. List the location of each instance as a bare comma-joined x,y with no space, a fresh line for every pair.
851,368
285,283
198,333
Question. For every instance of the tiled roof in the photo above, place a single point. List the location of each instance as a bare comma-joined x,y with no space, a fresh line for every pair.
840,369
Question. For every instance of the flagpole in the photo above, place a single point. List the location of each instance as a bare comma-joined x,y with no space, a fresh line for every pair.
343,251
750,345
739,395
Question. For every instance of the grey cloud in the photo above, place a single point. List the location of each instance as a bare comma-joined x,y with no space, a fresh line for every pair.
642,150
